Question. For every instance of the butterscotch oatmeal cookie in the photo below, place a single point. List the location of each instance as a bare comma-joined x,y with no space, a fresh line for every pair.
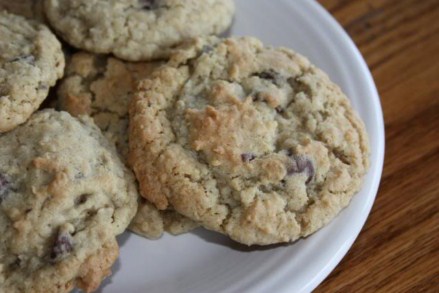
137,30
248,140
31,61
102,87
64,196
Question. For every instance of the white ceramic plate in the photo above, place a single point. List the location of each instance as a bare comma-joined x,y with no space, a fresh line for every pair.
203,261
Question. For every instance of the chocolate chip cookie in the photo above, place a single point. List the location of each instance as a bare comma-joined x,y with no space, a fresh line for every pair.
248,140
64,196
31,61
136,30
102,87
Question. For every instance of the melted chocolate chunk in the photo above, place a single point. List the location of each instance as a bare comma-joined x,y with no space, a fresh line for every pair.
248,157
62,247
301,164
5,186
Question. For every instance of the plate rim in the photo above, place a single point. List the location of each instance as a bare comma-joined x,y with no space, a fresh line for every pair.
324,272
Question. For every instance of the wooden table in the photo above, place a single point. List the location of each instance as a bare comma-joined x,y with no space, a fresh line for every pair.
398,249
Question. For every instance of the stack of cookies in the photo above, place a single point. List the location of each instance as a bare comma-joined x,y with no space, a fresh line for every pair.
157,124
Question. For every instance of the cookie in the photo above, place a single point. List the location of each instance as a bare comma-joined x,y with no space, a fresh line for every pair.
102,87
31,61
136,30
64,196
248,140
32,9
151,222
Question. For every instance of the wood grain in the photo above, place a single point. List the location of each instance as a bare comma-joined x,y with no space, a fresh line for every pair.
398,249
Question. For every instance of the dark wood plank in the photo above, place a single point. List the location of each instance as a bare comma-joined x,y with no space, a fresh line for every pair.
398,249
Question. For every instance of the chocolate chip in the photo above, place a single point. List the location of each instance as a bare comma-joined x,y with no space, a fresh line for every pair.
301,164
62,247
3,91
16,264
148,4
25,58
207,49
270,75
257,97
81,199
43,87
5,186
79,175
279,109
248,157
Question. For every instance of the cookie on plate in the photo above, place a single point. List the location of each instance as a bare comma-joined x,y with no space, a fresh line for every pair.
151,222
102,87
31,61
32,9
64,196
136,30
248,140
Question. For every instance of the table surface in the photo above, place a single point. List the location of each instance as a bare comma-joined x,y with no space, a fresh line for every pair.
398,248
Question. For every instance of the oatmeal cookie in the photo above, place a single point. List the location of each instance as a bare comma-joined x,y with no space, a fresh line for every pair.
64,196
248,140
102,87
31,61
136,30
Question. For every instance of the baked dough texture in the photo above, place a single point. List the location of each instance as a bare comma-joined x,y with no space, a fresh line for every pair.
248,140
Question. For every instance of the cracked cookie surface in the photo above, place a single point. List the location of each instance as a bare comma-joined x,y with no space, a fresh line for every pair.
248,140
102,87
136,30
64,196
31,61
